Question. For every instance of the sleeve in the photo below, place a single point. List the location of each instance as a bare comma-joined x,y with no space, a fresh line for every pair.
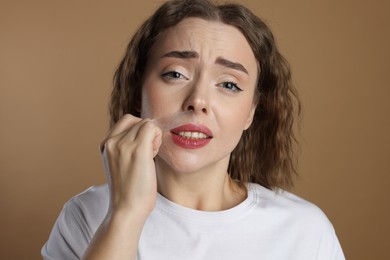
70,235
330,248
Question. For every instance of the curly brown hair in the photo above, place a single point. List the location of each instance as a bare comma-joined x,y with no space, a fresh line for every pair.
265,153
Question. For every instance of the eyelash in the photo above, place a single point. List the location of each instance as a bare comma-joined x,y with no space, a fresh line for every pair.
233,88
174,75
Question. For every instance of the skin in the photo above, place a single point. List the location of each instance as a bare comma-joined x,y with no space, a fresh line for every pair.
141,159
199,83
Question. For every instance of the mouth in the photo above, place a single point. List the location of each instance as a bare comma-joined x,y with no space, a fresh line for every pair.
191,136
193,131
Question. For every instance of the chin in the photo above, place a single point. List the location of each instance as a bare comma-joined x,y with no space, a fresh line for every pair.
180,160
187,162
179,163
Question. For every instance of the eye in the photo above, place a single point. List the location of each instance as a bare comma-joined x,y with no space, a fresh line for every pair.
230,86
173,75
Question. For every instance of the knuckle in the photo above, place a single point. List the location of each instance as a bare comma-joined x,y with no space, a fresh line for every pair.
121,145
127,116
124,147
110,145
149,126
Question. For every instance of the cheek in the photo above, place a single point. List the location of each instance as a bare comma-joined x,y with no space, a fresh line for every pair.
151,101
145,105
232,125
237,115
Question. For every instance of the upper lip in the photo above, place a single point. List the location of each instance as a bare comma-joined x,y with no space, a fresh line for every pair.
193,128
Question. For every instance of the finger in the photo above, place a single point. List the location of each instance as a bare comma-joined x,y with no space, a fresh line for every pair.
123,124
151,135
157,141
129,138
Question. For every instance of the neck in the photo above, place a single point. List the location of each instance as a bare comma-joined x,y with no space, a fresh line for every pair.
207,189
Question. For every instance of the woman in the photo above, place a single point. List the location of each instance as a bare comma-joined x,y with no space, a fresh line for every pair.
200,148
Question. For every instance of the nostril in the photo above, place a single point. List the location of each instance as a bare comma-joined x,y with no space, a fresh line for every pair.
193,109
196,107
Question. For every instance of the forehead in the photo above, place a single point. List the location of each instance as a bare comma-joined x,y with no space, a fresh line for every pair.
208,38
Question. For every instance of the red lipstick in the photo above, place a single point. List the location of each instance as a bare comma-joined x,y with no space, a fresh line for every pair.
191,136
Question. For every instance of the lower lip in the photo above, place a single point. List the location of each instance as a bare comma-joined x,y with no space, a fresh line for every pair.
189,143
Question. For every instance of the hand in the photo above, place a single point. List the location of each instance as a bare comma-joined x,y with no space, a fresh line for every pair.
128,154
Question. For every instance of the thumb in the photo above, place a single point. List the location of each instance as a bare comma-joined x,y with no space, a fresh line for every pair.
157,140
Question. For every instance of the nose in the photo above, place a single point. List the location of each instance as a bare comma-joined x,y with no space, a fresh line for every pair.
197,99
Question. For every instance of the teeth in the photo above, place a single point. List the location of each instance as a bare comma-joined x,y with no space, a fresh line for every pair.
193,135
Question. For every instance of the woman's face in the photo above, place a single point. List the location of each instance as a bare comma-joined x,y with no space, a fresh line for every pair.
204,74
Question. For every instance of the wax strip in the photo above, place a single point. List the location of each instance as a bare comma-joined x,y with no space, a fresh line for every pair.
174,120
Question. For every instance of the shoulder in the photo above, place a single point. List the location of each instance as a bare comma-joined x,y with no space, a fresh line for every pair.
290,207
90,198
92,203
85,210
297,219
76,224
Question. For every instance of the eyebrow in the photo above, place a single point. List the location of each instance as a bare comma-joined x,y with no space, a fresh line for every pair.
193,55
231,64
181,54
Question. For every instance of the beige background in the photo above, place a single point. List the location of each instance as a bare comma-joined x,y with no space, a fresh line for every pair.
57,59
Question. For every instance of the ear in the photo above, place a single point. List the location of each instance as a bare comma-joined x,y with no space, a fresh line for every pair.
250,117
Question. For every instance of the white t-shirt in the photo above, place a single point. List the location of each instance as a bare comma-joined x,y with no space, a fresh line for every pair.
268,225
